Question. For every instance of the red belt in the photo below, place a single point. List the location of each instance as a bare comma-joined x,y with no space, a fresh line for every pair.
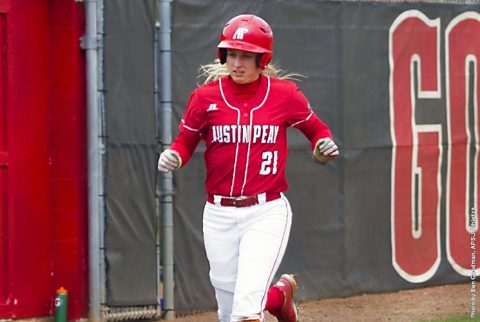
245,201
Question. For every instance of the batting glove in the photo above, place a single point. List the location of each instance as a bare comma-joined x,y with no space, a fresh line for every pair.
325,150
169,160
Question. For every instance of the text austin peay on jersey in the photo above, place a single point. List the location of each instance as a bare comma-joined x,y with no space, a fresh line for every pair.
241,133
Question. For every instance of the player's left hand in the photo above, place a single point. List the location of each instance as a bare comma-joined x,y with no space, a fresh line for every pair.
325,150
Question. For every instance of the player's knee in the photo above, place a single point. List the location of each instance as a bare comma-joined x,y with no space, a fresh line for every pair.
224,284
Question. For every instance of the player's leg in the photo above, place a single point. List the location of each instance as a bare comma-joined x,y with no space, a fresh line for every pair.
221,244
265,231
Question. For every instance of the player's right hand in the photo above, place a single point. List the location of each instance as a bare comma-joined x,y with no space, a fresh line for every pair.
168,161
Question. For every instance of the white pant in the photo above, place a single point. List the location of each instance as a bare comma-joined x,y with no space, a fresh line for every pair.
245,247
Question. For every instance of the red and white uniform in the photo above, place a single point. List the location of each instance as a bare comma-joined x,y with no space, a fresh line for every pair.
244,128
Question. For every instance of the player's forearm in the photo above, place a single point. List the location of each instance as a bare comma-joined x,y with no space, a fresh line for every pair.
185,144
314,129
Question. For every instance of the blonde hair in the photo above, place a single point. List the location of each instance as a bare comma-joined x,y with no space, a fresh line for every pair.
212,72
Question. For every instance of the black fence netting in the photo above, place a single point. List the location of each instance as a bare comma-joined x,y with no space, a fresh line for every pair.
130,256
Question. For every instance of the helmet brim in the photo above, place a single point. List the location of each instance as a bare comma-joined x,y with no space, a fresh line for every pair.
241,45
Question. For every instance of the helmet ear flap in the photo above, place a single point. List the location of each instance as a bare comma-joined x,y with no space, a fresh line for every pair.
263,60
222,55
258,59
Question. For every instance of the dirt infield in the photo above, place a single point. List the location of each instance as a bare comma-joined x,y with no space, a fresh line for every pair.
410,305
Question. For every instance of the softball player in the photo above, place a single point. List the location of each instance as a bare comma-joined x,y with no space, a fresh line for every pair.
242,113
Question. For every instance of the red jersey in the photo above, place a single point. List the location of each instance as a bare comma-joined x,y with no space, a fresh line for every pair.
244,128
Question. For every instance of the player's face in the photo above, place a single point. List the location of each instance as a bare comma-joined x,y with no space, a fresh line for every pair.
241,66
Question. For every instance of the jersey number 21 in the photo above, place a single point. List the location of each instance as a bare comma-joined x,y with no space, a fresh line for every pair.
269,164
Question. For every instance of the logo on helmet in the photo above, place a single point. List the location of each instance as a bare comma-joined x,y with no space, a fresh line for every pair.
239,33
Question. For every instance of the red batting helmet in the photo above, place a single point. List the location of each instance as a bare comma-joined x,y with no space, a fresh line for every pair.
249,33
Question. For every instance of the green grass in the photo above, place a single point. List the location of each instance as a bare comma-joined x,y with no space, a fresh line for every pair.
455,318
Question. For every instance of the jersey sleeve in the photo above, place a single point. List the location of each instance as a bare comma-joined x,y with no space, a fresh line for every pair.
191,129
194,118
304,118
185,144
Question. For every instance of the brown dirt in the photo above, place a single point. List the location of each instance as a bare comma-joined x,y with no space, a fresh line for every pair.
409,305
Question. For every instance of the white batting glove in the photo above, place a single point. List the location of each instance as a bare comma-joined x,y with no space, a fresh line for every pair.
327,147
169,161
325,150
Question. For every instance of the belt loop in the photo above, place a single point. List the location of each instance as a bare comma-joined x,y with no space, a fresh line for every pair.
217,200
262,198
